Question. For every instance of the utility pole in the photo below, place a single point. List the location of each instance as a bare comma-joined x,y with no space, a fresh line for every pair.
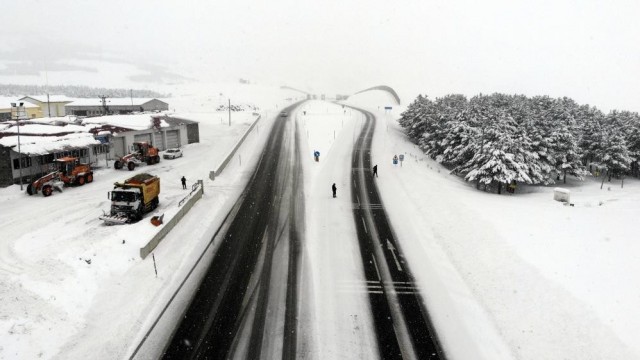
48,105
229,112
103,99
17,108
131,96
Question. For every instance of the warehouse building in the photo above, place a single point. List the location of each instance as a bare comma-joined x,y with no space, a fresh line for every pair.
50,105
98,141
107,106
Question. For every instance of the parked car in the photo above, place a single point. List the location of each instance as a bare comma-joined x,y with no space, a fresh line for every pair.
172,153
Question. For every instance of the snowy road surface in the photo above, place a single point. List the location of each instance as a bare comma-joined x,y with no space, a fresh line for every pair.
402,323
246,306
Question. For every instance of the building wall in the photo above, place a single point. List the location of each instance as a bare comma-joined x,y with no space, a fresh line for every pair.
155,105
39,165
6,178
157,140
193,133
32,113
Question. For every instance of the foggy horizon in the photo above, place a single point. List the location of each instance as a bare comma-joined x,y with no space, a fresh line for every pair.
587,51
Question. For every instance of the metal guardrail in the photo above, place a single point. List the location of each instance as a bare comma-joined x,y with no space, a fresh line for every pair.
196,194
194,188
226,160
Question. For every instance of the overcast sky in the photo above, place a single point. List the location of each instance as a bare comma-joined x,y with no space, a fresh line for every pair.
588,50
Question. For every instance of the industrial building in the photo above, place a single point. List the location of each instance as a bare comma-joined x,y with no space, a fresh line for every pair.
50,105
106,106
98,141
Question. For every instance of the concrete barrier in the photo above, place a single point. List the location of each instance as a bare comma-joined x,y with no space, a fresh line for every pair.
195,195
223,164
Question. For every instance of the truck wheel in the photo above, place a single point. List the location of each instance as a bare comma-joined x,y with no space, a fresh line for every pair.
117,165
131,166
80,180
89,178
157,159
47,190
30,189
154,203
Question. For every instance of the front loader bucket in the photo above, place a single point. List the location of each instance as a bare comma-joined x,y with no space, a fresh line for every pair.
114,220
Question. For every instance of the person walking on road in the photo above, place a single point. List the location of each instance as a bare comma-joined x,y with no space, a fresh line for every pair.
334,189
184,182
375,170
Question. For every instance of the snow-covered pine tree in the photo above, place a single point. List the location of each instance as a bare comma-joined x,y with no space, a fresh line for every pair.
499,160
614,154
590,123
632,138
563,144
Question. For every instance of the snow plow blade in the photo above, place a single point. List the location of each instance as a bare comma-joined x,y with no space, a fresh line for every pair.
114,220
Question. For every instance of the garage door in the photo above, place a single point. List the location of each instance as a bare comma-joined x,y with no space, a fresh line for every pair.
118,147
173,138
142,137
157,140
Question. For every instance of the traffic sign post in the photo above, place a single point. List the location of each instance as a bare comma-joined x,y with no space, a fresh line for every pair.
401,159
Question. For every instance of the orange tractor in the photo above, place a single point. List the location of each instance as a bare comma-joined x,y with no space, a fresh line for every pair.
69,172
142,153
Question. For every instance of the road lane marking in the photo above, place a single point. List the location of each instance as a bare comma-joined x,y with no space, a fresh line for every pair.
393,252
376,265
363,224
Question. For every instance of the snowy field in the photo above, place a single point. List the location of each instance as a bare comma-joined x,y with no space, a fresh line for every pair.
504,276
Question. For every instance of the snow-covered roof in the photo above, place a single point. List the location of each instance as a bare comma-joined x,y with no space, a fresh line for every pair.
5,103
52,98
69,119
41,145
133,122
42,129
111,102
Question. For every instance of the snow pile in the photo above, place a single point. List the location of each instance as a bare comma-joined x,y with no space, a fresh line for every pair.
237,107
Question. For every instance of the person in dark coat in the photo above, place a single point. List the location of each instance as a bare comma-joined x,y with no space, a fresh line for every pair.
334,189
184,182
375,170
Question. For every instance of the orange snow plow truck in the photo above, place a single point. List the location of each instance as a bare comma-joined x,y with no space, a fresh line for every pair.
143,152
133,198
69,172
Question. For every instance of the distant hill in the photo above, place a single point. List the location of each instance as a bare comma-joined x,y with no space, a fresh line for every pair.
76,91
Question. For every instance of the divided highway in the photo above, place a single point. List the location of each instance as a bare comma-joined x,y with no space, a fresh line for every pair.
246,307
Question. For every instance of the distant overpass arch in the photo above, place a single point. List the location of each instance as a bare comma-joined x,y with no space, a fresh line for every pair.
385,88
294,89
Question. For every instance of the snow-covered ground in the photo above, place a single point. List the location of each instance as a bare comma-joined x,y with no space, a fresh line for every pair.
520,276
71,287
505,277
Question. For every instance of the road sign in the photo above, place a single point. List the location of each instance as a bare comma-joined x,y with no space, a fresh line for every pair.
401,157
388,108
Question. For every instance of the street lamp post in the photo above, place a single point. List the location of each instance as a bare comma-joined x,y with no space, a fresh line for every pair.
18,108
